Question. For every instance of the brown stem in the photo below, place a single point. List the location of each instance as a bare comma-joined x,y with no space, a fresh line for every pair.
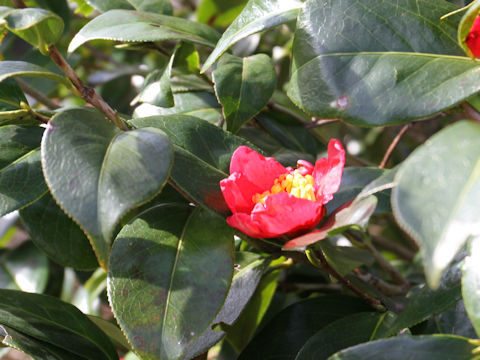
383,286
392,146
19,4
86,92
471,112
27,89
318,260
395,248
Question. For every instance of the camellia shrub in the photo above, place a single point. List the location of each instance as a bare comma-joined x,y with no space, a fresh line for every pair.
240,179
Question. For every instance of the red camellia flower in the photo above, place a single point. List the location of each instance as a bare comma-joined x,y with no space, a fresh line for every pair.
473,38
268,200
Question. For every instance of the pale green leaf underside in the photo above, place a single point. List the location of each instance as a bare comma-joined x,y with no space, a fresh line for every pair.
21,68
437,195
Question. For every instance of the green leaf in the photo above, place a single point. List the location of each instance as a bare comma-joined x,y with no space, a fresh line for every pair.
345,258
427,302
219,13
284,336
112,330
154,6
128,25
39,27
258,15
471,283
11,95
18,117
438,347
98,173
50,320
156,89
249,268
21,68
59,7
165,255
243,87
435,200
57,235
186,58
340,334
385,75
35,348
24,268
247,323
17,141
202,105
202,156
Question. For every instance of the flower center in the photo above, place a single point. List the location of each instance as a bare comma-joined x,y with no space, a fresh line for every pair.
295,184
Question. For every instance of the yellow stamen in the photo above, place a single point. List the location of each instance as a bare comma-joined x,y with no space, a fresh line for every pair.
295,184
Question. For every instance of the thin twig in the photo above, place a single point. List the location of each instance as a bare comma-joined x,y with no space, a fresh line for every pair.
471,112
395,248
86,92
392,146
318,260
27,89
383,286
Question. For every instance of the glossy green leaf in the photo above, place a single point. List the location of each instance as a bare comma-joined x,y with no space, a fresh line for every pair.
21,68
113,332
21,182
59,7
37,349
247,323
340,334
24,268
383,76
258,15
471,283
83,7
219,13
57,235
202,156
353,214
437,195
50,320
202,105
98,173
39,27
186,58
156,89
17,141
17,117
438,347
243,86
427,302
165,255
249,268
284,336
154,6
128,25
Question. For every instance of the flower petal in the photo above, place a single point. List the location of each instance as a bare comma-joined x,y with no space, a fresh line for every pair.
238,192
282,214
328,172
259,170
473,38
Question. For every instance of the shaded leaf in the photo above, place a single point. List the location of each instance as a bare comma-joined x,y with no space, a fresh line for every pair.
166,255
435,200
128,25
438,347
98,173
302,320
219,13
155,6
340,334
186,58
11,95
57,235
202,152
258,15
243,87
385,75
59,7
24,268
50,320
